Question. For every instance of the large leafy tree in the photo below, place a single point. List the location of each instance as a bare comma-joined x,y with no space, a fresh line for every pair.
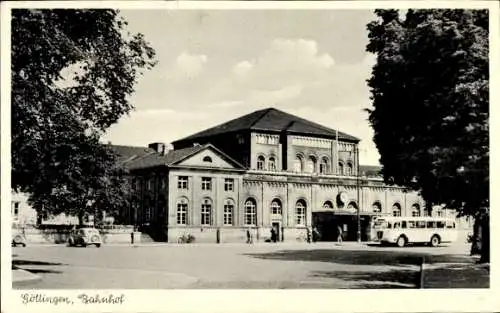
72,73
429,89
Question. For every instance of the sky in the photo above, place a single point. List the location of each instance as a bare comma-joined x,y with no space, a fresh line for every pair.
216,65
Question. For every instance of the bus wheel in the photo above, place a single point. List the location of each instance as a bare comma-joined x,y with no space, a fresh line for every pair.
401,241
434,241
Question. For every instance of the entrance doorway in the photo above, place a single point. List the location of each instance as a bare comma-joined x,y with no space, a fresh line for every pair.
276,226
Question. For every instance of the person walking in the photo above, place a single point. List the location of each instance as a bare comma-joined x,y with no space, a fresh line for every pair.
339,235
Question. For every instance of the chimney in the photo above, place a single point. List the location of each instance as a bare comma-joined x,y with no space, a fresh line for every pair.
159,147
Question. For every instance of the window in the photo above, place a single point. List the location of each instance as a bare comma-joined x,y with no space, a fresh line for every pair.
228,212
396,210
376,207
276,207
206,183
260,162
403,224
412,224
182,211
297,164
450,224
349,171
206,212
150,183
182,182
439,213
311,164
328,205
427,212
352,206
431,224
162,182
421,224
323,166
147,216
415,210
207,159
341,168
440,224
300,213
272,164
250,213
228,184
397,224
16,208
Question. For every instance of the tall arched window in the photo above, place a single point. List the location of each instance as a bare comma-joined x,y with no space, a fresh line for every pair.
228,212
276,207
323,166
260,162
272,164
396,209
300,213
415,210
340,170
311,164
206,212
377,207
182,212
250,212
349,171
297,164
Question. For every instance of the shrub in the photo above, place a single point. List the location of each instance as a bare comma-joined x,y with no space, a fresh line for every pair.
186,238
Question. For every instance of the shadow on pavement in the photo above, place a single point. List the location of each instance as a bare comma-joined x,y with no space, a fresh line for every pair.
360,257
27,262
33,266
376,280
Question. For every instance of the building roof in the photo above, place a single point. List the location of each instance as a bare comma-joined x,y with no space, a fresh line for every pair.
271,120
126,154
370,170
173,157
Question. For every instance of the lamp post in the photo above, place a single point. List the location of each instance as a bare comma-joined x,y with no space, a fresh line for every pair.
358,198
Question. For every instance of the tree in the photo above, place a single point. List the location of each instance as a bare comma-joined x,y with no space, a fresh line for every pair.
72,73
429,89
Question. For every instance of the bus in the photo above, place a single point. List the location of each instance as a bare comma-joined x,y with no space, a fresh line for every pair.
406,230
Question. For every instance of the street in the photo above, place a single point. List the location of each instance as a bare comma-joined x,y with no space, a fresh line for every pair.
277,266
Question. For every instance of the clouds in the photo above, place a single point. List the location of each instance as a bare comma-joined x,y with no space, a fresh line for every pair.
190,65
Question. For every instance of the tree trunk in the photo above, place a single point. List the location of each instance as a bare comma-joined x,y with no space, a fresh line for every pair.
485,236
80,218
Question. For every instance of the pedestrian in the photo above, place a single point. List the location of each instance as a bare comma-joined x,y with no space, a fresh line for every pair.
273,235
339,235
249,236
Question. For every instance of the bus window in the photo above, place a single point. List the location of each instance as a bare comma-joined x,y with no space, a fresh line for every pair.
450,224
440,224
397,224
420,224
403,224
431,224
411,224
389,225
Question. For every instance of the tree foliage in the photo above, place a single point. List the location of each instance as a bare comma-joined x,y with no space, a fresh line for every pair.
72,73
429,89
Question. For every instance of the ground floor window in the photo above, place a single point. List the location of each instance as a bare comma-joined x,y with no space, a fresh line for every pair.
396,210
300,213
228,212
206,212
250,213
182,212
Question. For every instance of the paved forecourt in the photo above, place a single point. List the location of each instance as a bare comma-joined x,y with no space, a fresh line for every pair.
282,265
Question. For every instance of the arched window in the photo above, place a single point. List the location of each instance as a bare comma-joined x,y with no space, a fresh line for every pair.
250,213
352,206
228,212
300,213
349,171
427,212
415,210
260,162
377,207
311,165
182,211
272,164
207,159
323,166
396,209
328,205
206,212
276,207
340,170
297,164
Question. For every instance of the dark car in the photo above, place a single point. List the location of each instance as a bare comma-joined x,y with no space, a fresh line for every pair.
84,237
19,240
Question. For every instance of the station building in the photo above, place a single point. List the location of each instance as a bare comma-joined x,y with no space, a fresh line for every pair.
267,169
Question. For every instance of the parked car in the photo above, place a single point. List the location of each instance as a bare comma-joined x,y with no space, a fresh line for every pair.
84,237
19,240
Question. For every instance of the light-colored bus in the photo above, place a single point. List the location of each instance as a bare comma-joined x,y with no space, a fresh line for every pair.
405,230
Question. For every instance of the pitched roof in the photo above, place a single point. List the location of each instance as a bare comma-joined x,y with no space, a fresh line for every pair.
173,157
271,120
129,153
